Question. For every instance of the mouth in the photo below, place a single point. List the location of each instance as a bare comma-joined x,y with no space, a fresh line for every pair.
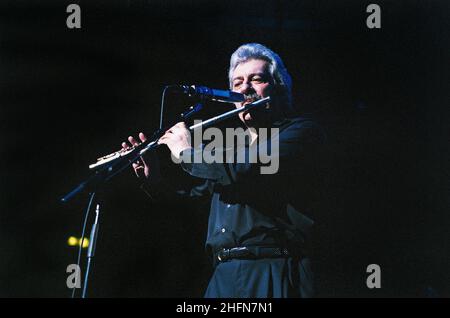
250,99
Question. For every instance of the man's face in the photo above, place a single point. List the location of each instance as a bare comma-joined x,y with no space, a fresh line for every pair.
252,78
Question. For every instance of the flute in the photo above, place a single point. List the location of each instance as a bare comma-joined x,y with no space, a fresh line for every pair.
144,147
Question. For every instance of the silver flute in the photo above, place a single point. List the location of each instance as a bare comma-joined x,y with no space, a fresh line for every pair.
144,147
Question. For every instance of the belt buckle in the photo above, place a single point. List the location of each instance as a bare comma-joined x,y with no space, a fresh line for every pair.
226,253
223,254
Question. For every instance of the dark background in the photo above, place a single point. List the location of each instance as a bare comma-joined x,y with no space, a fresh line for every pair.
69,96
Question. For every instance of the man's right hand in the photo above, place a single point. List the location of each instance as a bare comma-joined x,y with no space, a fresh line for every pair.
140,166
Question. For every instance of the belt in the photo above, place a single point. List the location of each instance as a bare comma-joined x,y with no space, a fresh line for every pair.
250,252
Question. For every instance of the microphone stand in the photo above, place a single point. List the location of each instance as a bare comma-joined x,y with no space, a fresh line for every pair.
91,249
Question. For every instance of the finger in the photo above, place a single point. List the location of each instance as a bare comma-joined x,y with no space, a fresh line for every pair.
167,135
144,164
133,141
163,140
125,145
176,126
142,137
137,165
179,128
138,170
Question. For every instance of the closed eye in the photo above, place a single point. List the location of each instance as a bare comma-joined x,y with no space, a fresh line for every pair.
237,84
259,79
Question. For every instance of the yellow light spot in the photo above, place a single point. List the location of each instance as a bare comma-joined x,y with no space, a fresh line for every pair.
72,241
85,242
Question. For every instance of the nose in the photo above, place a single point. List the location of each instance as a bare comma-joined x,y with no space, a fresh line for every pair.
246,88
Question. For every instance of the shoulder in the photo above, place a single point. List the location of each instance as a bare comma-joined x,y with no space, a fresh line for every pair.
304,128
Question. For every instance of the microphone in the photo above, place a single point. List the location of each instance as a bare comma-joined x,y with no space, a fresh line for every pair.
212,94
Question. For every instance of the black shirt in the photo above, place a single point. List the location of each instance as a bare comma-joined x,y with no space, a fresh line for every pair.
249,208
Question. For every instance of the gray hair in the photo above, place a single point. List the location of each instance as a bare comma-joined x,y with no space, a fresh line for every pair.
279,73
